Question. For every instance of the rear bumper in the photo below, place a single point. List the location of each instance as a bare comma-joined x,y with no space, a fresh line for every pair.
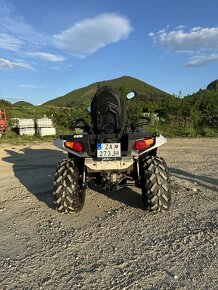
125,164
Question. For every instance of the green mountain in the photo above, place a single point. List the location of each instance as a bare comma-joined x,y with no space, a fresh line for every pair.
22,104
123,84
213,86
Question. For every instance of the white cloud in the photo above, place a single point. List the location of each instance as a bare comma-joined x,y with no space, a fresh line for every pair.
9,42
46,56
202,43
195,39
91,34
81,39
9,65
151,34
202,60
196,28
180,27
29,86
15,32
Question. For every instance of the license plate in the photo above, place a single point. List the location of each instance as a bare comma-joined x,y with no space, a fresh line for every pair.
108,150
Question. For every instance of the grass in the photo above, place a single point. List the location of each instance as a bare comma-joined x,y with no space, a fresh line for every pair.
28,112
14,139
174,132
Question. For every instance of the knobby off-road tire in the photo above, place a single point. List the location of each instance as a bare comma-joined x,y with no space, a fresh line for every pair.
155,184
68,195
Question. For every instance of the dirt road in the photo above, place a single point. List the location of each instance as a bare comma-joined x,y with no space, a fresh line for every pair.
112,243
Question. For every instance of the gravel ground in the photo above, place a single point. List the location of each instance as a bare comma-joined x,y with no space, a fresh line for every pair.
113,243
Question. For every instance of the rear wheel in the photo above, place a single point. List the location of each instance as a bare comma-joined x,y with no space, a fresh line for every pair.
68,194
155,184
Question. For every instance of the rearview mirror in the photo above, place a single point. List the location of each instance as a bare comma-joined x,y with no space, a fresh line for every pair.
130,95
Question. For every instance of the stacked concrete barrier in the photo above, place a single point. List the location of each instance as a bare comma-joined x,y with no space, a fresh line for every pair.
45,127
26,127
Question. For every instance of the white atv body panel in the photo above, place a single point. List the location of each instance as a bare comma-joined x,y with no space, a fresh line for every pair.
124,164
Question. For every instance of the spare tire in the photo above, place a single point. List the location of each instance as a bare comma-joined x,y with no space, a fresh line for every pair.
108,110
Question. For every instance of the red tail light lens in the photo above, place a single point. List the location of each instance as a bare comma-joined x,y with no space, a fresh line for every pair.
75,146
141,145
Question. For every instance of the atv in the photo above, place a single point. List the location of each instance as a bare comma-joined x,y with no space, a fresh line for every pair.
111,154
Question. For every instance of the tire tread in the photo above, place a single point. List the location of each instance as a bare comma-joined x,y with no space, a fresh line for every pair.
68,195
155,184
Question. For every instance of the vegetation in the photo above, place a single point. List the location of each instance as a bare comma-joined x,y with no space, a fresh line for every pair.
22,104
124,84
62,118
213,86
13,138
4,104
191,116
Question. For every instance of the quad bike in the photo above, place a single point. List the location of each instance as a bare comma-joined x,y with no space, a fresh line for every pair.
111,154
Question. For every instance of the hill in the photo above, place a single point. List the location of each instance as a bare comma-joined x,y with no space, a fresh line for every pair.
213,86
4,103
124,84
22,104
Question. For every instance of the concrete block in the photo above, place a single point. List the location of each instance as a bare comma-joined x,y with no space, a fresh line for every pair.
46,131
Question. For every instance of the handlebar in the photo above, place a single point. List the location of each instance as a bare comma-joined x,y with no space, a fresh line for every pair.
136,124
81,124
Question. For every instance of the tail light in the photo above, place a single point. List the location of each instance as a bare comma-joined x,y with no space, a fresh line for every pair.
75,146
141,145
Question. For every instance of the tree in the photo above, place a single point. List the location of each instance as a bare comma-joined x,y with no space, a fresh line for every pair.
124,90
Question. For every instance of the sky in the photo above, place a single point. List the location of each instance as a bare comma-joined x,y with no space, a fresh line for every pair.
50,47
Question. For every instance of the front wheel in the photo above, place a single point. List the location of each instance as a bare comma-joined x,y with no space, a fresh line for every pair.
68,195
155,183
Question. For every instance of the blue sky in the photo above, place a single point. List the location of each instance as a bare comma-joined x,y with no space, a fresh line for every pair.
50,47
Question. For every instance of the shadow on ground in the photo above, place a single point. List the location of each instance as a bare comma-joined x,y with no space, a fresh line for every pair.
127,195
205,181
35,169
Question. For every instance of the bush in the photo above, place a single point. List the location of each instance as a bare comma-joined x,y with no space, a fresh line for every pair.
208,132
